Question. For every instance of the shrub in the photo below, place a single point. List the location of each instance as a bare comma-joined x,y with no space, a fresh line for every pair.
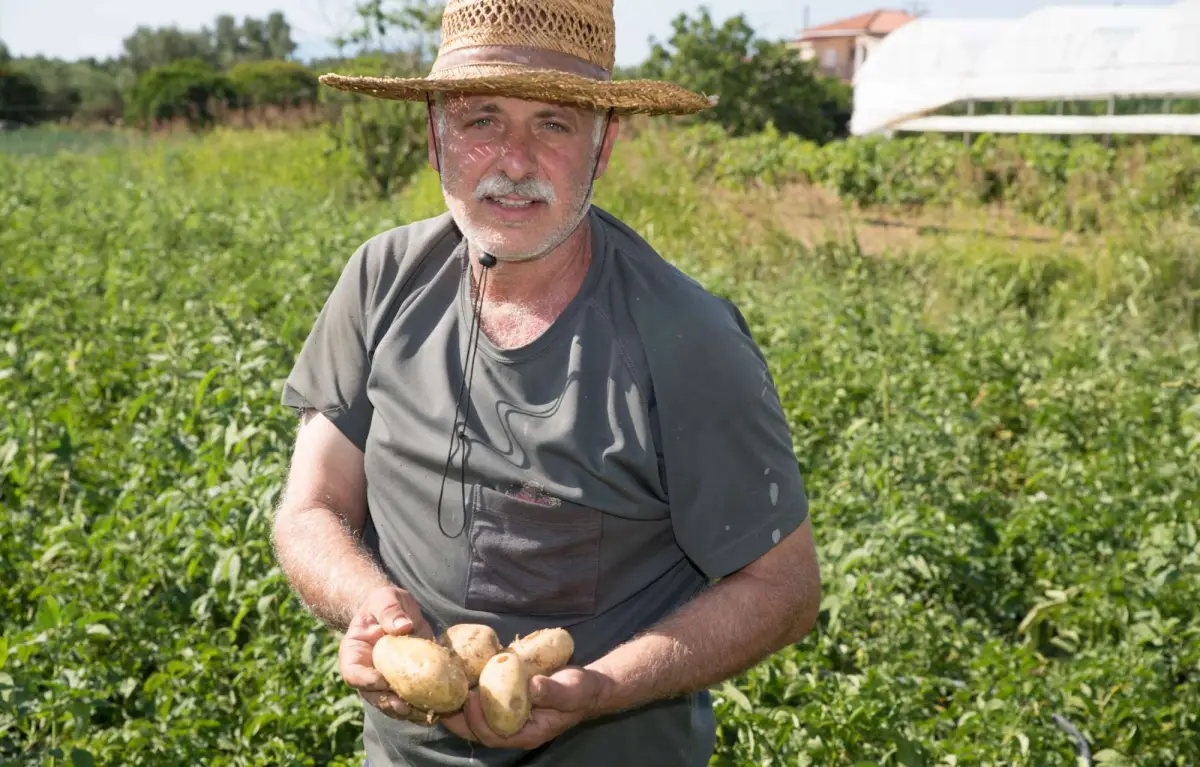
386,138
187,89
273,83
21,97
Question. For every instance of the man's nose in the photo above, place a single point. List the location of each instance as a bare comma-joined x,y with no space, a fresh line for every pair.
518,158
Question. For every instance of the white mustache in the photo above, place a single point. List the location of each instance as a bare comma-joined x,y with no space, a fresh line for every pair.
501,186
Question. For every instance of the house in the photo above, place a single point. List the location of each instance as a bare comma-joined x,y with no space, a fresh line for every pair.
841,47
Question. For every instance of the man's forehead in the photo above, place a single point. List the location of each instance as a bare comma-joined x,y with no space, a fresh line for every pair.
505,105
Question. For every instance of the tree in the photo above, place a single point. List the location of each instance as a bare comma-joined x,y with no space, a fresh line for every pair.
279,37
757,81
274,83
387,138
254,38
186,89
100,96
21,97
227,40
148,48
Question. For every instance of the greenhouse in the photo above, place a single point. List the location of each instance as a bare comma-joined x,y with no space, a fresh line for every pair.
1134,69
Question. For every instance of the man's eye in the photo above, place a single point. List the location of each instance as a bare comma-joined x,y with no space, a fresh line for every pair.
481,122
556,126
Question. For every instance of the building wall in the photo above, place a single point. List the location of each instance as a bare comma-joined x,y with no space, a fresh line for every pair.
835,56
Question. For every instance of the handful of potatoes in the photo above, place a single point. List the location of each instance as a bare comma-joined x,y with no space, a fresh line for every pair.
434,678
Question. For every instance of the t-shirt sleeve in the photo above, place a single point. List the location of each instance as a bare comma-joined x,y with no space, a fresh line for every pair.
733,482
330,373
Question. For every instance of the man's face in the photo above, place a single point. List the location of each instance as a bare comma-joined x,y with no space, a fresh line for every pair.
516,174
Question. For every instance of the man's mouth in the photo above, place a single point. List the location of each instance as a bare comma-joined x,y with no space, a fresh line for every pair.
515,203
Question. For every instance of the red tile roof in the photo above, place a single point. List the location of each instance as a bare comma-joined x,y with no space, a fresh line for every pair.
874,23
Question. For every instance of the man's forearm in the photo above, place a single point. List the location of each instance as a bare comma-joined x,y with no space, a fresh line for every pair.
325,564
717,635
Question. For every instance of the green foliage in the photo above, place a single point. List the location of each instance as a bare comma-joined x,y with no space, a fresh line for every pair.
757,81
22,99
1079,186
59,96
388,139
148,624
1001,447
223,46
187,89
73,90
418,23
148,48
252,40
91,91
273,83
100,95
47,139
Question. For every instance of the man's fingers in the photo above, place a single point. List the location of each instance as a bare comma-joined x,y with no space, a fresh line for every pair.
563,692
457,724
388,702
424,631
364,678
393,619
545,692
473,713
365,627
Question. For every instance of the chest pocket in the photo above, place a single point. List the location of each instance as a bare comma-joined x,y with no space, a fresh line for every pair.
532,558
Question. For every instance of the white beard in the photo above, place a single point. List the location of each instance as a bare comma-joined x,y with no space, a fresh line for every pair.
496,242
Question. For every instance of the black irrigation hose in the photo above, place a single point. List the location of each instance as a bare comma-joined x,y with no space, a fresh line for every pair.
1080,741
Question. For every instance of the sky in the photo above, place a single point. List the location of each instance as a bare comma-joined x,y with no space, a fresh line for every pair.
73,29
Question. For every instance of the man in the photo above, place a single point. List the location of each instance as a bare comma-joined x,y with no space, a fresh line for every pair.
518,414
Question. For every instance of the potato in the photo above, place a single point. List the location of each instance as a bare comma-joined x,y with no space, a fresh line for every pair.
544,651
474,644
424,674
504,693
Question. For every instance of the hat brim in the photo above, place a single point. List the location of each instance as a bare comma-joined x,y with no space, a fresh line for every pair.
651,97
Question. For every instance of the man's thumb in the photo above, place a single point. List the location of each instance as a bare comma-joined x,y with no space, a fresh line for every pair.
394,620
548,692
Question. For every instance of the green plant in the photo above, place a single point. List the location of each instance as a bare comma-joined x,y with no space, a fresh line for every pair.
758,81
1001,448
387,138
273,83
188,89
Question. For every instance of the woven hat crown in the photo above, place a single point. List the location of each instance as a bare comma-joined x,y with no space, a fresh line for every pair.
558,51
580,28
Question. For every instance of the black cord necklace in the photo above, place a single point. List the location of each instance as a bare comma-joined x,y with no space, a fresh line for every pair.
458,433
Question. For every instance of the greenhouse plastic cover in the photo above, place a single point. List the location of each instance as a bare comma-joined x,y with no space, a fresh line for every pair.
1055,53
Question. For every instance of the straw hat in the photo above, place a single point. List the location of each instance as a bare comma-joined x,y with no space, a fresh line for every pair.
558,51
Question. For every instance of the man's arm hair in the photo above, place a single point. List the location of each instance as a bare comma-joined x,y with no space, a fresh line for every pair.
742,619
318,525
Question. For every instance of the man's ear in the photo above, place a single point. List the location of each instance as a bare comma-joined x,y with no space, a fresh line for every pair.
610,139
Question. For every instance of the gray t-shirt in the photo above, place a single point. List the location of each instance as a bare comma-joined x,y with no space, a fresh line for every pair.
615,466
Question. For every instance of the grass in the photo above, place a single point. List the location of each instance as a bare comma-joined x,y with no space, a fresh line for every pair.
48,140
1001,440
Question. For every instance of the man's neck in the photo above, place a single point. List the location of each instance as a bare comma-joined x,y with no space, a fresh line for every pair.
523,299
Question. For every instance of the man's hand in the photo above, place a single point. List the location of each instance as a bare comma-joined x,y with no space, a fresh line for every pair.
559,702
386,610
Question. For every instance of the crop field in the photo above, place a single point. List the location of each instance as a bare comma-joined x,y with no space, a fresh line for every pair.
1000,435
